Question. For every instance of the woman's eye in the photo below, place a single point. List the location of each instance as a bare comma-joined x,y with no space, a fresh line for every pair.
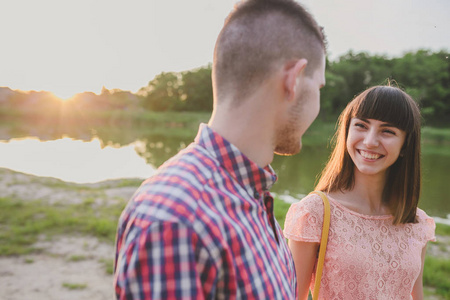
360,125
390,132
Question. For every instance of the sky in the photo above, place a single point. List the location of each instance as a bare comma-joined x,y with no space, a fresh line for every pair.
72,46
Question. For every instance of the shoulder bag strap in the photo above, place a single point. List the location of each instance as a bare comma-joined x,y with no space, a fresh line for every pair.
323,242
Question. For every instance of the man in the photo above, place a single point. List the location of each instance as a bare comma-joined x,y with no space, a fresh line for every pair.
203,226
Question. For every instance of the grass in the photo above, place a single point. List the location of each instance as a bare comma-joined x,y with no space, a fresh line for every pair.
436,141
74,286
169,117
59,184
437,275
442,229
127,182
439,135
108,265
75,258
23,222
280,210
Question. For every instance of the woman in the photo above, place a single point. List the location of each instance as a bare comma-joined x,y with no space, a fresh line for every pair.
378,236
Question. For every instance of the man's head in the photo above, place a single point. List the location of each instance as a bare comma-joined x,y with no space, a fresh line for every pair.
258,37
303,109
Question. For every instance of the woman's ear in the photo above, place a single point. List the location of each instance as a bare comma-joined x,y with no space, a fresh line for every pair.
292,70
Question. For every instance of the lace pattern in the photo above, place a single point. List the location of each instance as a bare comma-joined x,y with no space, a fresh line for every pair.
367,257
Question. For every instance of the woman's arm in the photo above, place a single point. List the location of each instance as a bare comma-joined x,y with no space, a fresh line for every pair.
305,256
417,292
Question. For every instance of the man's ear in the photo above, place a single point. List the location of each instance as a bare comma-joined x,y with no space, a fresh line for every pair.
292,71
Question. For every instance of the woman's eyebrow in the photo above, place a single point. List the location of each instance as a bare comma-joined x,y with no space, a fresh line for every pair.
384,124
387,125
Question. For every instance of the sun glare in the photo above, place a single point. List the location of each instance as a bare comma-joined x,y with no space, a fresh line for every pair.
66,94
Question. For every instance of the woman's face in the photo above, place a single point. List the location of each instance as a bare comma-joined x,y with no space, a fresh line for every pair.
374,145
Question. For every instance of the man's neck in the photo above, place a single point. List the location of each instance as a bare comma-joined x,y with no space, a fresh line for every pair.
249,130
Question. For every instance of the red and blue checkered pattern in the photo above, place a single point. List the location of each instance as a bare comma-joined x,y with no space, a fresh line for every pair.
203,228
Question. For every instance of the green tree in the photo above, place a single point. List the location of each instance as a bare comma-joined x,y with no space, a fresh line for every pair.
422,74
426,77
197,89
162,93
361,71
334,96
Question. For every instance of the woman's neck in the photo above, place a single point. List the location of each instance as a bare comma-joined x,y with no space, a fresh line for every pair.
366,197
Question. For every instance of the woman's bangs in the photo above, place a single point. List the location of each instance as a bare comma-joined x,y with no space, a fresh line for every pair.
388,105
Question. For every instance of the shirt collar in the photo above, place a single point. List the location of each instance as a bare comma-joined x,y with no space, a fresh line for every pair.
255,180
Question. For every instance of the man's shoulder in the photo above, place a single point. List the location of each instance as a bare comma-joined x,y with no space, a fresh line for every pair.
193,160
175,189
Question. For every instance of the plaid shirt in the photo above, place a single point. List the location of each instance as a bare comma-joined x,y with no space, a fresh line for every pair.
203,228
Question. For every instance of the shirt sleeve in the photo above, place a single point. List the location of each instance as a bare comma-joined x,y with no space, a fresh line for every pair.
166,260
304,220
427,227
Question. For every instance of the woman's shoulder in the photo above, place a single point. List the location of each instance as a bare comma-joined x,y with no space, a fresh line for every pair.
312,203
304,219
309,207
426,225
422,217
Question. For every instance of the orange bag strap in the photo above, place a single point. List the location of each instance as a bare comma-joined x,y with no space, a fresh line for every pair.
323,242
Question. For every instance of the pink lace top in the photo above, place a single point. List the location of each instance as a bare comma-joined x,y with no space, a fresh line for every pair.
367,257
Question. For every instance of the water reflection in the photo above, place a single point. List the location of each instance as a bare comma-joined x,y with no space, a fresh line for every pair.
74,160
158,148
297,174
111,152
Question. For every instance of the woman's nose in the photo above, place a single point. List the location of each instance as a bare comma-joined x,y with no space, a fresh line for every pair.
371,139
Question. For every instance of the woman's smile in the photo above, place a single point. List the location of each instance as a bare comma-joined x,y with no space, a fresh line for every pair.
369,154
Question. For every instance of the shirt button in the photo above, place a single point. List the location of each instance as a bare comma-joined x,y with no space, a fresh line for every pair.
257,195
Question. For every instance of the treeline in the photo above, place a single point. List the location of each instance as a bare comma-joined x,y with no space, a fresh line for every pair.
185,91
424,74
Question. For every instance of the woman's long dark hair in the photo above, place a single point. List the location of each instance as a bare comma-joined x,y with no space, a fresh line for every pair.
402,189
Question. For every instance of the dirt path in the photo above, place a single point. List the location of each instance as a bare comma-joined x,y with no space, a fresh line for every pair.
67,268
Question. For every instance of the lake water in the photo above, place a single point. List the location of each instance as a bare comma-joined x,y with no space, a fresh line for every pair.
91,156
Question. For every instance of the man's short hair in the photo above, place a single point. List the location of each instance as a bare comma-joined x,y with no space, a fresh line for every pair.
256,37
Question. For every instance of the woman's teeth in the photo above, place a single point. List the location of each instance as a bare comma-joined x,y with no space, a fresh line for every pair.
369,155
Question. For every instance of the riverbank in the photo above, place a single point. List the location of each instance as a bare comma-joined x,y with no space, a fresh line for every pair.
57,238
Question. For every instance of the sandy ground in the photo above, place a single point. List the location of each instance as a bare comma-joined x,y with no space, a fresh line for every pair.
44,275
66,267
